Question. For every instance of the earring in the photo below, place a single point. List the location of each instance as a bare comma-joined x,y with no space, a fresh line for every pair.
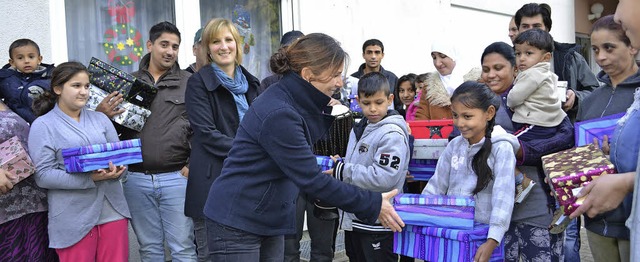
210,56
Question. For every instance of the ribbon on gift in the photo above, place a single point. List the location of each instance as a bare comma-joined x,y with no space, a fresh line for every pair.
586,131
443,244
436,210
94,157
15,160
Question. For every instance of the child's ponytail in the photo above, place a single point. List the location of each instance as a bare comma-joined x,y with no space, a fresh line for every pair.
477,95
59,76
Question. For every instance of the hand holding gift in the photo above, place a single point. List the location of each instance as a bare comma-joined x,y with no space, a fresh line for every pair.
113,172
109,105
388,216
5,181
604,194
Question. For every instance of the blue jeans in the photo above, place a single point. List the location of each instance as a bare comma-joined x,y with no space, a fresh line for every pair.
228,244
572,242
156,203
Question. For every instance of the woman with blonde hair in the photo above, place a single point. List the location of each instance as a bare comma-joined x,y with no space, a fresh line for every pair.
217,98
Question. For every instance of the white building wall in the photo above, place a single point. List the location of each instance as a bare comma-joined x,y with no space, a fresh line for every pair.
408,27
25,19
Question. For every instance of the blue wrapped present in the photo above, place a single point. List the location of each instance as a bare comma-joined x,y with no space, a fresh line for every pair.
324,162
451,212
422,169
443,244
94,157
586,131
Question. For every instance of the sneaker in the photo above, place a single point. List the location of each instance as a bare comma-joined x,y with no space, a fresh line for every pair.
523,189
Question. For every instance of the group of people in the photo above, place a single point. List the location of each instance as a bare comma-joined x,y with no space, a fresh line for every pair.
228,165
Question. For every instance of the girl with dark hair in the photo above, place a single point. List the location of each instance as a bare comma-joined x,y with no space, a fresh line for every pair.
252,204
528,236
87,211
480,162
404,94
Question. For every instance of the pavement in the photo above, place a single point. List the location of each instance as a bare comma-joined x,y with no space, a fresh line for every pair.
340,255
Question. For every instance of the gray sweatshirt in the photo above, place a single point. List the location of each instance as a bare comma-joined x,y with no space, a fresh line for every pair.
455,176
377,160
76,202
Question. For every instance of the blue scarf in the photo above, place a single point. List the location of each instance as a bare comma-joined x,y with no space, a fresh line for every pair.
238,86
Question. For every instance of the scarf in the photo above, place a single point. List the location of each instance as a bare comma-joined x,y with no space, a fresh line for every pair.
237,85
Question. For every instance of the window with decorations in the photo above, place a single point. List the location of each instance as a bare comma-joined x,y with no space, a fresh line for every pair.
113,31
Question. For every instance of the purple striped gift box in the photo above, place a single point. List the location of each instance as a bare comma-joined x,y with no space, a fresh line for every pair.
436,211
422,169
586,131
94,157
443,244
324,162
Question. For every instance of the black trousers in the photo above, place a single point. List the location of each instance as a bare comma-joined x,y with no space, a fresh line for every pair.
369,247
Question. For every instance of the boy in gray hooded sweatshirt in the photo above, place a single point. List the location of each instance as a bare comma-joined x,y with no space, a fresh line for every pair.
377,159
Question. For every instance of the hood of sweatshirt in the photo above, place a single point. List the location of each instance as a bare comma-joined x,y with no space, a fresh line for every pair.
392,117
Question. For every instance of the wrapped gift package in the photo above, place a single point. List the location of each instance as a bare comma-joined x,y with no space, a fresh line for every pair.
133,117
431,129
422,169
443,244
428,148
451,212
586,131
111,79
15,160
94,157
324,162
573,168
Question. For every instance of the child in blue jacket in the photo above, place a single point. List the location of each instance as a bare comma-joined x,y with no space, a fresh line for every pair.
24,78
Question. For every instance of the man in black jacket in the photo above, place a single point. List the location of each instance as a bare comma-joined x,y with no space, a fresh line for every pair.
566,62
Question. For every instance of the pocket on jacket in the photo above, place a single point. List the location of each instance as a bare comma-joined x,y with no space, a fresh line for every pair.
267,196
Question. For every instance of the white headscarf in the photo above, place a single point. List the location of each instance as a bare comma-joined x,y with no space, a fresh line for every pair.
455,79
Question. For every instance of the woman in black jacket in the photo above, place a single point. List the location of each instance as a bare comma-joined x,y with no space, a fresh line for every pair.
216,98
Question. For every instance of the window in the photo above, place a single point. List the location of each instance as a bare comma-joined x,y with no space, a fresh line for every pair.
258,22
114,31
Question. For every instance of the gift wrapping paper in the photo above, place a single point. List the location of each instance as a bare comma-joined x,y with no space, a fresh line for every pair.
422,169
436,210
569,170
133,117
94,157
15,160
443,244
324,162
110,79
586,131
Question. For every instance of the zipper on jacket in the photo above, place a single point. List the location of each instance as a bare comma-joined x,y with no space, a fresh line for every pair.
606,227
608,103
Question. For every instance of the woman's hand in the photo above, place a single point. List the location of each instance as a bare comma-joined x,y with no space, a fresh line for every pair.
5,181
485,250
109,105
334,102
388,216
604,194
605,144
113,172
571,99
